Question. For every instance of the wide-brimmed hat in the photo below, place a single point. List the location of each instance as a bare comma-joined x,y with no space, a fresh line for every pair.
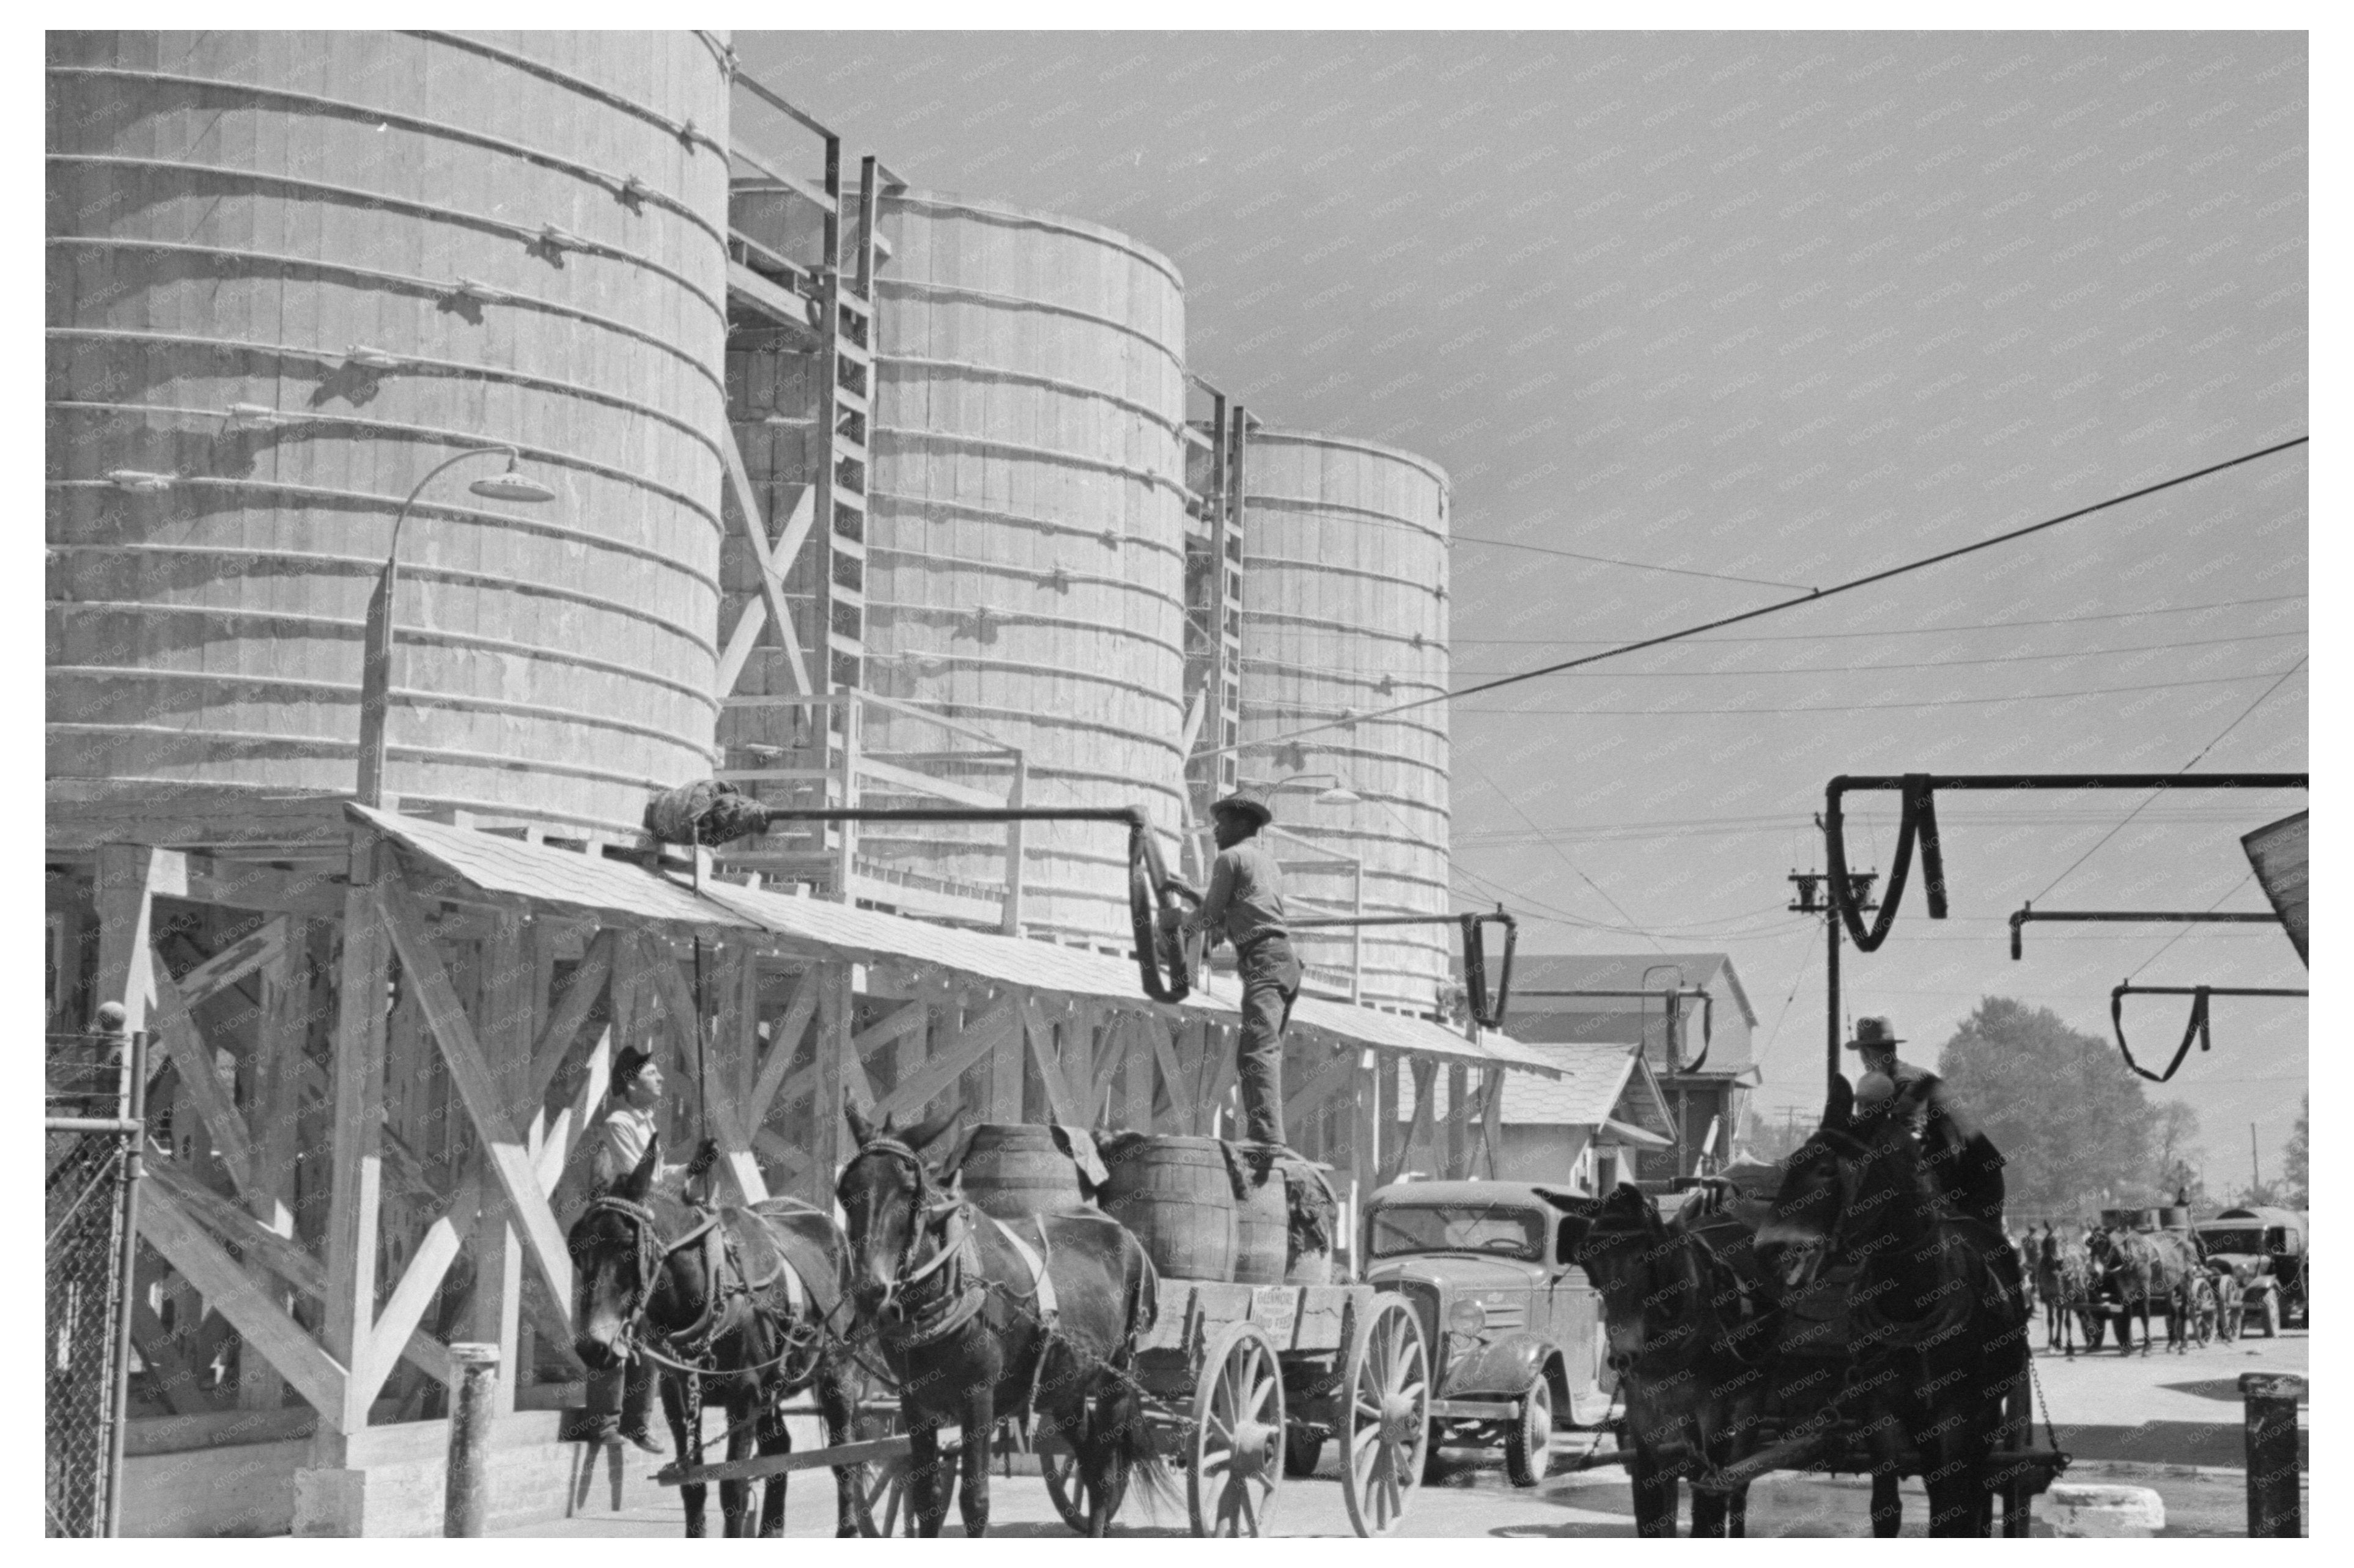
1246,806
1873,1033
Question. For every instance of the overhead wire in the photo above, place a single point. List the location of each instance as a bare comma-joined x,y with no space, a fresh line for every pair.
1864,707
1614,561
2186,768
1564,856
1895,630
1815,596
1948,664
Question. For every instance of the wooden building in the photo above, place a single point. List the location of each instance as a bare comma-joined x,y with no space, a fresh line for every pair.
1590,1128
1696,1042
383,1037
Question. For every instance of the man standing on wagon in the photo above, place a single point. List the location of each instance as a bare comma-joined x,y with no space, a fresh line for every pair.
1245,905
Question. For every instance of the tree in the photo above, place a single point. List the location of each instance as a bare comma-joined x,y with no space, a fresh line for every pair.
2292,1175
1772,1141
2174,1173
2075,1131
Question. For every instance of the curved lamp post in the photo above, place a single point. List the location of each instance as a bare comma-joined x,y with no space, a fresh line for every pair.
375,671
1339,794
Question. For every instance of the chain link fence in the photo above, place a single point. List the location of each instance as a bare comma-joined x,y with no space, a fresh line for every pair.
93,1086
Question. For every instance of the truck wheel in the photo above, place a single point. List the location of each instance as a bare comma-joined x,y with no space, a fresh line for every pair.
1302,1447
1528,1445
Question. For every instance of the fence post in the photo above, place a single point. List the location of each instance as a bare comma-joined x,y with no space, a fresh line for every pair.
132,1097
466,1495
2270,1400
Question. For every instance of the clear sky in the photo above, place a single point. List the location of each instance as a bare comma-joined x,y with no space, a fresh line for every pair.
1786,307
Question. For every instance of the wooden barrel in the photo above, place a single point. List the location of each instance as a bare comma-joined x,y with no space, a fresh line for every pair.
1262,1224
1013,1170
1174,1193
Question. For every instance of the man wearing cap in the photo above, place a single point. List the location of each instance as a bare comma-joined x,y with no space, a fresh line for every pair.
1964,1163
1245,906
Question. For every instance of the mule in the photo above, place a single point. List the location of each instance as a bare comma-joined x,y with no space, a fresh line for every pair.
977,1318
731,1306
1686,1333
1936,1314
2068,1301
2135,1269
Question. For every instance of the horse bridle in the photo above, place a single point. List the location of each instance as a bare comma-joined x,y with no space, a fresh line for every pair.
922,1209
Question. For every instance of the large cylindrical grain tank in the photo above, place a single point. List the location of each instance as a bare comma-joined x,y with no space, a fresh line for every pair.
290,273
1025,556
1344,611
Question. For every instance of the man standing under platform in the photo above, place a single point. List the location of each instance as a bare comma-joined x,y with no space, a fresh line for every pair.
1245,905
1961,1159
619,1143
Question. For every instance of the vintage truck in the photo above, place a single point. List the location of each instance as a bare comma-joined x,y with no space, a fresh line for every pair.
1515,1330
2263,1250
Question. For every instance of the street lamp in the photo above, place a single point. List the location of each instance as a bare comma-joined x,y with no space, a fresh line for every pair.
375,671
1338,794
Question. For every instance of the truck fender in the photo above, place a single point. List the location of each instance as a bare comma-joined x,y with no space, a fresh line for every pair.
1501,1369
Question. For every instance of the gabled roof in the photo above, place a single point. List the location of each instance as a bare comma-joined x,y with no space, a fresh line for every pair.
1601,1083
594,884
1620,971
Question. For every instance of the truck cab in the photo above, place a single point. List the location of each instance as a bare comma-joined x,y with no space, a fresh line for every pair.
1514,1328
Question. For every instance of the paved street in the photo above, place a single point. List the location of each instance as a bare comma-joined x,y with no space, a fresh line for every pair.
2167,1422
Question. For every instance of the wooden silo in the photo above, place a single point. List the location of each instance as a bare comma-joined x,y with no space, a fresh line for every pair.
1344,612
290,273
1025,559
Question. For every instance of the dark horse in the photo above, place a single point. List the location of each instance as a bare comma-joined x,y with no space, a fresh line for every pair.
1689,1330
979,1320
2068,1301
744,1293
1935,1318
2133,1269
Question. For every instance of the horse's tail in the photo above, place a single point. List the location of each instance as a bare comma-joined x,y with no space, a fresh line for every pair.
1119,1414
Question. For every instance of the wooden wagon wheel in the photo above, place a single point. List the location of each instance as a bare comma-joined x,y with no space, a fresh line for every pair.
1384,1423
1060,1467
881,1501
1238,1434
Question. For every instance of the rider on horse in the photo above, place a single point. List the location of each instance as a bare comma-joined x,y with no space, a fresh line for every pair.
1961,1159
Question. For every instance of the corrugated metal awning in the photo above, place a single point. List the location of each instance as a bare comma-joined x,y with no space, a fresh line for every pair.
820,928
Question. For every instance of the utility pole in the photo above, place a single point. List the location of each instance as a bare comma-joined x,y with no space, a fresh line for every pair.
1810,883
2255,1165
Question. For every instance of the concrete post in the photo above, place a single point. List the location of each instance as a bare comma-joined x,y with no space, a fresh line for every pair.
2270,1401
466,1494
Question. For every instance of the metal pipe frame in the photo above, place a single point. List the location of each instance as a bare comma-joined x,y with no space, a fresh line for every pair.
2023,915
1920,821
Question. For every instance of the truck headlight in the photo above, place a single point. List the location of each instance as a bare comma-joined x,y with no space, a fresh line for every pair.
1466,1317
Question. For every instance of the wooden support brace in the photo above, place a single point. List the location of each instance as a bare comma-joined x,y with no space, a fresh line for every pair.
266,945
948,1063
1040,1036
261,1320
200,1084
355,1157
570,1011
1173,1082
784,1040
471,1075
1426,1092
1492,1118
1337,1072
129,877
765,558
1224,1040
